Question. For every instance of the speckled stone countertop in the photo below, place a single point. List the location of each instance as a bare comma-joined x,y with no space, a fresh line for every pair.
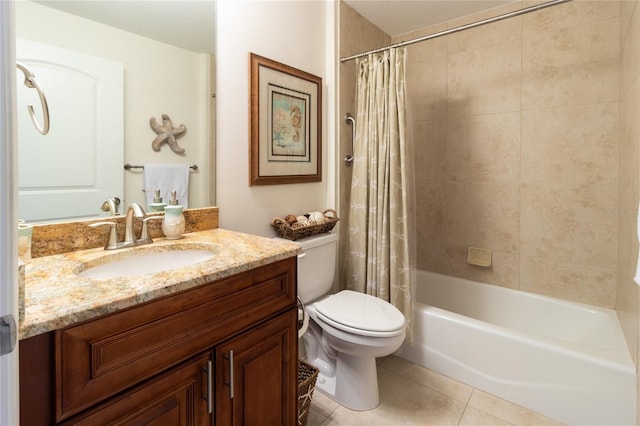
56,297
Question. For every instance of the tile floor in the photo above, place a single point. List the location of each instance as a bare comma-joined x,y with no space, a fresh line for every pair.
413,395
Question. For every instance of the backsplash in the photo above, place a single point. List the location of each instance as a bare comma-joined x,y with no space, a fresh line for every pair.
57,238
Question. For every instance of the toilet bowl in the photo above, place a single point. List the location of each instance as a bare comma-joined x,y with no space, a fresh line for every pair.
345,351
347,331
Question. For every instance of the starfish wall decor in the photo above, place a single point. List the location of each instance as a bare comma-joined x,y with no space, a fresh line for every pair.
166,133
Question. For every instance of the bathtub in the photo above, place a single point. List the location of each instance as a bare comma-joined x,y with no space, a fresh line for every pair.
566,360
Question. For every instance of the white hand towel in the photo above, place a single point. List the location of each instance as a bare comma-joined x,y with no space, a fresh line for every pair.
167,178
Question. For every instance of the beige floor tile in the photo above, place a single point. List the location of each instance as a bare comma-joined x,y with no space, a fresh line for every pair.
413,395
474,417
404,402
508,411
452,388
413,404
322,403
315,418
344,417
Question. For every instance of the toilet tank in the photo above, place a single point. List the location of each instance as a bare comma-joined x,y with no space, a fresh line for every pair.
316,266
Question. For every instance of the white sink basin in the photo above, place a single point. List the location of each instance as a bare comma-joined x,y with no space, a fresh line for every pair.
148,263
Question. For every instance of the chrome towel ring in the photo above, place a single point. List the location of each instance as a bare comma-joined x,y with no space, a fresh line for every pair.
31,82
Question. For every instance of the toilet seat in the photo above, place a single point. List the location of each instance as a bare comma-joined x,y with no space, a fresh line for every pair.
361,314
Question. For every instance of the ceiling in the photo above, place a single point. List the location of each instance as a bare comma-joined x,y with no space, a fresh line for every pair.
396,17
189,24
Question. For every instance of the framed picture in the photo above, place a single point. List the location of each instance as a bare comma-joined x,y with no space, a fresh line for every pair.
285,134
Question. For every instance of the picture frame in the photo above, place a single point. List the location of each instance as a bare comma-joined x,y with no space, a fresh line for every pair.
285,131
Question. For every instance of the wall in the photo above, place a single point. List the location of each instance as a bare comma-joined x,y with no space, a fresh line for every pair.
629,162
159,79
299,34
516,133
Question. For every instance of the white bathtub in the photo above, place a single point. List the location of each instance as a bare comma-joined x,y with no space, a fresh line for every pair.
566,360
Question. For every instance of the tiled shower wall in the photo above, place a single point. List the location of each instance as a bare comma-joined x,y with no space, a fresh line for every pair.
516,148
629,182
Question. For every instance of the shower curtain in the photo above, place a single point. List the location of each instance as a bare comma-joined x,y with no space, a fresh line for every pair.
381,232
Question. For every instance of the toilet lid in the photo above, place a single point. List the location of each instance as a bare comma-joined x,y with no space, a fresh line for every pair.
361,312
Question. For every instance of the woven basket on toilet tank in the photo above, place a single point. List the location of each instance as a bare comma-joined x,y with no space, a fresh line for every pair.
297,230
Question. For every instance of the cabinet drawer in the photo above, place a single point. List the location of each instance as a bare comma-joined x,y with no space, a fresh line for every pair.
99,358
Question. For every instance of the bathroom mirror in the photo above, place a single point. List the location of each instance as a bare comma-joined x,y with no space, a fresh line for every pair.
166,53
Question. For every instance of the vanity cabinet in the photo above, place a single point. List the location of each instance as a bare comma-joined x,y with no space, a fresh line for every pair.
223,353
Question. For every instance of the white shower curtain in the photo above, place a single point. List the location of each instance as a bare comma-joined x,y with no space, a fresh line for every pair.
381,232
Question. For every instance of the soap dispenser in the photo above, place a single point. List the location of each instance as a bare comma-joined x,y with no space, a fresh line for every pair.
157,205
173,223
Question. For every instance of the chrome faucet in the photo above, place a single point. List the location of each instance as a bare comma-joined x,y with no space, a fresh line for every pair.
133,211
111,205
136,210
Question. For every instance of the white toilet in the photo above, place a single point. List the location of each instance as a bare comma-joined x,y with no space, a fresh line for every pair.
347,331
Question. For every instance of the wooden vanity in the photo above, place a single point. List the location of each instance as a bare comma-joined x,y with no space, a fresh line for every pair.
222,352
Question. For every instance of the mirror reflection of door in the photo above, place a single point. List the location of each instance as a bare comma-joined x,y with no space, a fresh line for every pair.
60,177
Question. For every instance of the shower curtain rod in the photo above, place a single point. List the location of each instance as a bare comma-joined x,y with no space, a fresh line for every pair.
458,29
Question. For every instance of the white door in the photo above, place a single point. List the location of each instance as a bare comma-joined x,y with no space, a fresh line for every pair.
68,173
8,221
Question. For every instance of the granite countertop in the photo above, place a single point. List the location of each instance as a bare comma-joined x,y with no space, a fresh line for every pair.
56,297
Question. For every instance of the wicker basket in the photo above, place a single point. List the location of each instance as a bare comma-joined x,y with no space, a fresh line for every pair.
307,375
284,230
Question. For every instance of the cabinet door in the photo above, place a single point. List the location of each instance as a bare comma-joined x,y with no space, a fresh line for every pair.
256,375
176,398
